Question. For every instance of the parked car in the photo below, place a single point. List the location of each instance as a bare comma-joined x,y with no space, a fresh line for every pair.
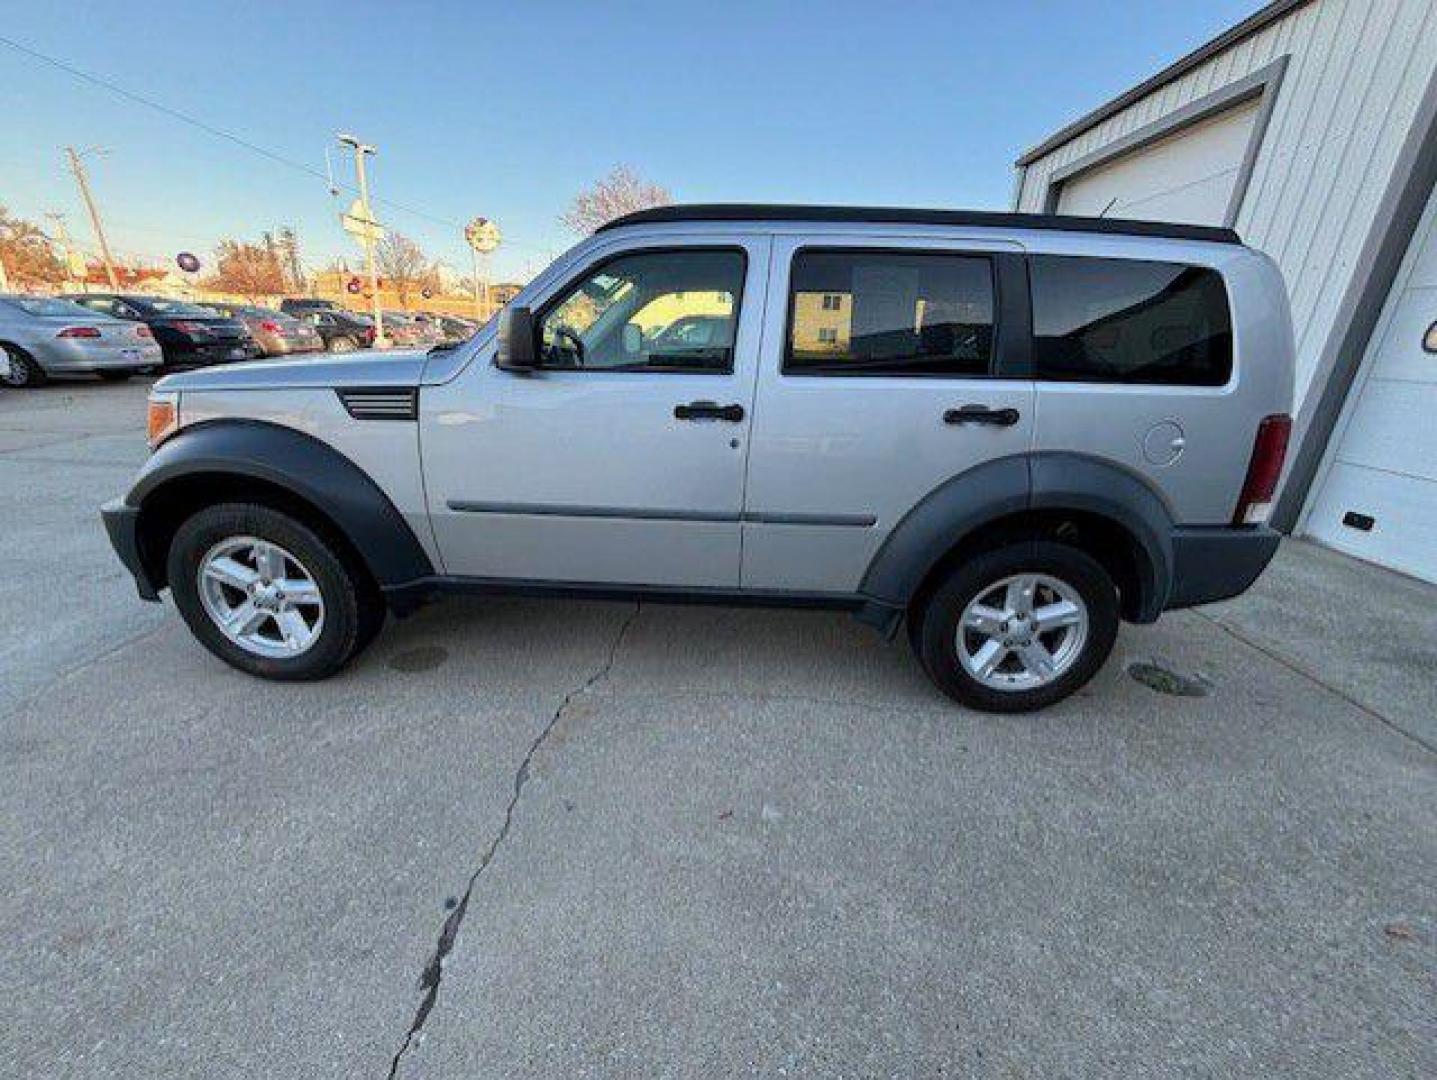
276,333
188,334
1008,431
340,331
405,332
454,330
303,305
41,336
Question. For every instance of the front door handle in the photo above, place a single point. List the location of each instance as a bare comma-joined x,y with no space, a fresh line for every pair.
981,414
708,410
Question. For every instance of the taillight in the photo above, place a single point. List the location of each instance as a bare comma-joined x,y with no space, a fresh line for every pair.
143,332
1264,469
192,328
269,326
79,331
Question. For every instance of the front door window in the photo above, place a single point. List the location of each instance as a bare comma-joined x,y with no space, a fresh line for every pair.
651,311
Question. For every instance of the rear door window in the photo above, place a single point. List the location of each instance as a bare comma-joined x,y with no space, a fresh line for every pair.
1129,321
883,313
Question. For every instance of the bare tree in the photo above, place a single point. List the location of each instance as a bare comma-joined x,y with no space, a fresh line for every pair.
621,192
27,253
289,251
252,270
402,262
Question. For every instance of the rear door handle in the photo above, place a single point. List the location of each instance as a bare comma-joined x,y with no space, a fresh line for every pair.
708,410
981,414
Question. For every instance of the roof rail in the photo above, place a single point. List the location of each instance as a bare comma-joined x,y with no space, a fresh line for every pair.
900,216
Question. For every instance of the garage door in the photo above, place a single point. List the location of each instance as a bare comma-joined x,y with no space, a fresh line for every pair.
1187,176
1378,500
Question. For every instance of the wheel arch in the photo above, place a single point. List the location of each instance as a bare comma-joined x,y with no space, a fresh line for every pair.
1094,505
254,461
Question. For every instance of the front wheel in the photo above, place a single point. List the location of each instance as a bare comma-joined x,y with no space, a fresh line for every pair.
1019,627
267,594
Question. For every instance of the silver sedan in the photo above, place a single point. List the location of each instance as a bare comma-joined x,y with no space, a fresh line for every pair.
44,336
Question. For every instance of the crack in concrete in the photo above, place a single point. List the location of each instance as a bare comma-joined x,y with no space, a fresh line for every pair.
1299,669
433,974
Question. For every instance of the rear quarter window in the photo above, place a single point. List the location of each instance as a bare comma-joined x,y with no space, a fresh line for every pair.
1129,321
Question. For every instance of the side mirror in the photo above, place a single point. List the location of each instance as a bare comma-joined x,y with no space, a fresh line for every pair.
516,340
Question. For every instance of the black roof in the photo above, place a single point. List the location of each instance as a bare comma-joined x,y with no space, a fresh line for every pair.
900,216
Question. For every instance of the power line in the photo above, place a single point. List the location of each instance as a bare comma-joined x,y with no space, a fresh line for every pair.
185,118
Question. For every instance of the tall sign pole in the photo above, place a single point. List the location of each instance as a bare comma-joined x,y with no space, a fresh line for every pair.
482,236
367,233
78,168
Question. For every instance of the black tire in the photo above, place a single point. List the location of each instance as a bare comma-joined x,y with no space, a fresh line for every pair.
115,376
353,612
342,344
935,634
18,369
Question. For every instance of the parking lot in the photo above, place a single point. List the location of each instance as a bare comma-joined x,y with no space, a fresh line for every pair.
588,839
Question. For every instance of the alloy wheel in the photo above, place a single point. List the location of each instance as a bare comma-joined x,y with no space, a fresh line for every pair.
1022,632
261,597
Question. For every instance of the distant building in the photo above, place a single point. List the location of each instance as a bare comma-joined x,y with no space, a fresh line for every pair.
1311,128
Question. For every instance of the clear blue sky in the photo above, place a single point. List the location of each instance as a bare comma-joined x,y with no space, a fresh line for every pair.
508,109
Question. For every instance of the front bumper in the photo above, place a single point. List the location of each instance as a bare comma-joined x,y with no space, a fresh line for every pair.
122,522
1211,564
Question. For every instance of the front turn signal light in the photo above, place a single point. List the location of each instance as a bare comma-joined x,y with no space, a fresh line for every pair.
162,418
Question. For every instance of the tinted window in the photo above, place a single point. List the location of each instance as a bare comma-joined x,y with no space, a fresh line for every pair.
1125,321
876,313
654,311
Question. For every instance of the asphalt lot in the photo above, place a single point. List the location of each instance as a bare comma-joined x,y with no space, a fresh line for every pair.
696,842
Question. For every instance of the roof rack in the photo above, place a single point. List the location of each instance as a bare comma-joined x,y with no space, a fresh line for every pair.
900,216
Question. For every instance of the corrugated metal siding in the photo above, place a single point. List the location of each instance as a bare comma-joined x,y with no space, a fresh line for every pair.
1356,77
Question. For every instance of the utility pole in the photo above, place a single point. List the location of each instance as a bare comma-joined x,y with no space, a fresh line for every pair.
78,168
361,150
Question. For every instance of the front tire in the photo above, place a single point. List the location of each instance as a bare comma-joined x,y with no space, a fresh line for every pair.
1019,627
267,594
19,370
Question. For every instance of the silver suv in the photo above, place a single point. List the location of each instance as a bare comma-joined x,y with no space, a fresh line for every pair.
1008,432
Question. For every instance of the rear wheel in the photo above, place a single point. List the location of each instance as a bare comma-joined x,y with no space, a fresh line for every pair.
268,595
19,369
1019,627
342,344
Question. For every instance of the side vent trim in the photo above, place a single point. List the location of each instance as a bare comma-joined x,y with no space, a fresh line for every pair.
381,402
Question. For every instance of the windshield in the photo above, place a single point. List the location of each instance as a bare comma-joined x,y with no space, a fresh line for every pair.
48,306
179,307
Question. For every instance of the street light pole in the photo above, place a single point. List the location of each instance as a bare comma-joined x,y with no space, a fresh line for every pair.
360,151
78,168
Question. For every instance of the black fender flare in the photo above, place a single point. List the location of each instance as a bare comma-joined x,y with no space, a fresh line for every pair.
306,467
1008,486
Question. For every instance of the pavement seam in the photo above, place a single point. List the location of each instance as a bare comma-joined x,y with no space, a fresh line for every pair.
33,695
433,974
1313,677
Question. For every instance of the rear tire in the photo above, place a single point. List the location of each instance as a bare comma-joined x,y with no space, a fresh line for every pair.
342,345
1009,656
19,370
334,628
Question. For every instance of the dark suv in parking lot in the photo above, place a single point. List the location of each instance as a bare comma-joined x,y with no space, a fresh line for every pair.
187,333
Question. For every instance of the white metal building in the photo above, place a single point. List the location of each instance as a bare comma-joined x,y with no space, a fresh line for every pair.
1311,128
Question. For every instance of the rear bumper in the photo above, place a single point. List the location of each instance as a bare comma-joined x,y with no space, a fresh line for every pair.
1211,564
77,359
122,522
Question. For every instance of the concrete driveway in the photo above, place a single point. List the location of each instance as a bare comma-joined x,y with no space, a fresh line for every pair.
584,839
